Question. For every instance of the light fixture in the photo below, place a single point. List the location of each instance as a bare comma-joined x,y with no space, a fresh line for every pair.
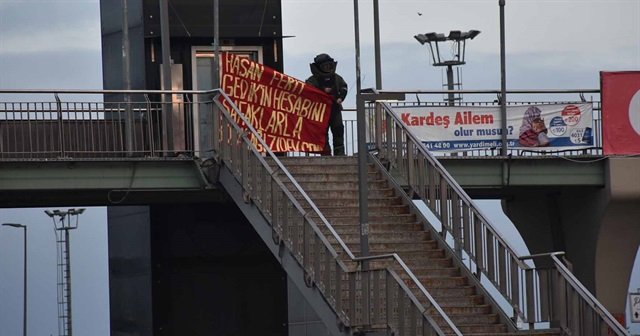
458,47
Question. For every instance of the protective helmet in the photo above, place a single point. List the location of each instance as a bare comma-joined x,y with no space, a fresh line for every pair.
325,63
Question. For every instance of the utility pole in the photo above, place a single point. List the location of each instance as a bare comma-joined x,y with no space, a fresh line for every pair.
24,277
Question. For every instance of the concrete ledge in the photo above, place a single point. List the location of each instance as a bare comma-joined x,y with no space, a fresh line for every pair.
59,183
526,172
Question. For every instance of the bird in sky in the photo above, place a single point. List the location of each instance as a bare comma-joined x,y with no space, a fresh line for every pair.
419,14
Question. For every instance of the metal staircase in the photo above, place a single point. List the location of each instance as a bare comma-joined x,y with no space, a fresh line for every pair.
415,282
396,226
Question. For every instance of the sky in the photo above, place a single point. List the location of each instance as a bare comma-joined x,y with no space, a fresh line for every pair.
550,44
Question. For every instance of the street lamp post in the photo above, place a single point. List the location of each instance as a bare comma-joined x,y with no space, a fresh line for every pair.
459,41
24,277
503,83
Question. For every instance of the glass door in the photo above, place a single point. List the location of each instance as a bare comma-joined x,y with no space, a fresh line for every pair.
202,58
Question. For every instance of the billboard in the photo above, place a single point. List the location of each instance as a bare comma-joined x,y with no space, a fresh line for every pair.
620,112
533,127
289,115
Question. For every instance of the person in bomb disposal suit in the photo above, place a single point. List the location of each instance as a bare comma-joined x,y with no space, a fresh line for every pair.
326,79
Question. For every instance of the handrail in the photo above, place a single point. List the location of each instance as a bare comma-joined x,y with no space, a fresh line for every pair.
77,91
410,91
580,289
587,296
315,210
542,255
452,183
471,231
512,91
405,268
286,172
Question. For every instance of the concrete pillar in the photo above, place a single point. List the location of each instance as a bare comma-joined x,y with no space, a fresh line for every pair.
598,228
619,236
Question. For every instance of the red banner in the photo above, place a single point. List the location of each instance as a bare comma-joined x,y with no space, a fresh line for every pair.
620,112
289,115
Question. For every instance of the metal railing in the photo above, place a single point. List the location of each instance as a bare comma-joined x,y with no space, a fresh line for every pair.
90,127
361,298
568,301
473,236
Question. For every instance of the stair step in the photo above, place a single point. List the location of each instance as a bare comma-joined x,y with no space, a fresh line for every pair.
452,292
341,185
440,282
460,301
399,248
301,168
343,194
464,310
319,160
482,329
440,272
372,203
433,254
347,210
303,178
419,237
374,219
438,268
427,262
460,320
435,273
377,227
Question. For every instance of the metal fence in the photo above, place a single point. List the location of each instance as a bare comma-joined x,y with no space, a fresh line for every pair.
42,125
93,129
532,292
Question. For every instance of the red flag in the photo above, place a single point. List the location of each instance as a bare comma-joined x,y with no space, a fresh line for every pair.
290,115
620,93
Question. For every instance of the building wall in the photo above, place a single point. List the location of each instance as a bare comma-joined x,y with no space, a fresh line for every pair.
192,269
130,299
212,274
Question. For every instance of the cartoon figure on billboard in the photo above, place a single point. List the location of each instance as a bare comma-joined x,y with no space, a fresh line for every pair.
533,132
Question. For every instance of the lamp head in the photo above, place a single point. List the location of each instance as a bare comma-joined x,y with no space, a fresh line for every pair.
455,35
14,225
438,37
422,38
473,33
75,211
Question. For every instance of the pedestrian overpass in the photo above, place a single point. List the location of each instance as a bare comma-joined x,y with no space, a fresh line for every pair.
444,271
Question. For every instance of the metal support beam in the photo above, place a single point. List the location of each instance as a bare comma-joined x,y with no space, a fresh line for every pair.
363,188
376,42
216,44
126,78
451,96
167,117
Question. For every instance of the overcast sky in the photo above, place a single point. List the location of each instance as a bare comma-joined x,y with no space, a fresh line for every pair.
56,44
550,44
